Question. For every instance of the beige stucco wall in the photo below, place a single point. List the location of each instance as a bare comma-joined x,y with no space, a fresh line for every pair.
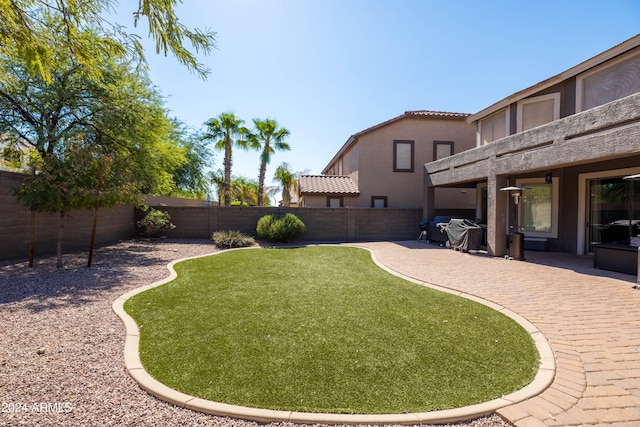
321,201
374,174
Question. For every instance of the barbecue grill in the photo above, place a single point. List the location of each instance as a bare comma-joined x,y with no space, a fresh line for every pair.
464,235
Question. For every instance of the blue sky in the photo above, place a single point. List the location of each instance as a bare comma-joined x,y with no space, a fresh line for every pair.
326,69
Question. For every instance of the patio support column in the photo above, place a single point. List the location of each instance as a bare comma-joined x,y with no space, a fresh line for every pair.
429,199
497,204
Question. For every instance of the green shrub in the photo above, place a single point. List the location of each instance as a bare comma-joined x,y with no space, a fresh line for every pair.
280,228
231,239
155,221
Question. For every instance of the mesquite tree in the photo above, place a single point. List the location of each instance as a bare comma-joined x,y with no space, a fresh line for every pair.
98,143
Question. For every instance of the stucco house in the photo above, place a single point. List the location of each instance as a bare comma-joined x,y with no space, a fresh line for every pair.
570,141
14,154
381,166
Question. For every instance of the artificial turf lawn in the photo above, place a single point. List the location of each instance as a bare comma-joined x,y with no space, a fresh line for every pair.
323,329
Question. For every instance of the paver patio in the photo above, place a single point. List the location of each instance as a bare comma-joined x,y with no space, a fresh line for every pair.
590,317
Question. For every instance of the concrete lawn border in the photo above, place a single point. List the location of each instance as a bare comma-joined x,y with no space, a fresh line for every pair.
542,380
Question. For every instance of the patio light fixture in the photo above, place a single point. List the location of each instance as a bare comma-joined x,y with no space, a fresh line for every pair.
516,239
515,192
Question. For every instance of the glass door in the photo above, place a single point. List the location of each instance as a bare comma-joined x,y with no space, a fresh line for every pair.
614,211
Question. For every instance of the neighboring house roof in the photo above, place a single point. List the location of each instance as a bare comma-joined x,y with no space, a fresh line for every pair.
420,114
18,143
623,47
327,184
417,114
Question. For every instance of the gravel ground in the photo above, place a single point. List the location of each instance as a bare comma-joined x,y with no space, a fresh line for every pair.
61,345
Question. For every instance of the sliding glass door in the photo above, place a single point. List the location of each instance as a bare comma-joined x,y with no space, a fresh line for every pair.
614,211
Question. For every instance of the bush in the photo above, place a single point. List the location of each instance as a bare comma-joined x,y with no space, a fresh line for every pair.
280,228
155,221
231,239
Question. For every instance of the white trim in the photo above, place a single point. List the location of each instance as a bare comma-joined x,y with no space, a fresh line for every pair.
556,107
583,203
580,78
555,205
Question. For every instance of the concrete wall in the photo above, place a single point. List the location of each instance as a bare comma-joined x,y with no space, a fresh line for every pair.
322,224
15,225
173,201
193,219
320,201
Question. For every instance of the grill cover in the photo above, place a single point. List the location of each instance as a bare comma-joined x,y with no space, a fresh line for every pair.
463,234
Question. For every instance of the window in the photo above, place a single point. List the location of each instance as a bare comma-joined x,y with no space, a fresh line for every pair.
494,127
378,201
403,156
442,149
334,202
537,111
538,209
606,84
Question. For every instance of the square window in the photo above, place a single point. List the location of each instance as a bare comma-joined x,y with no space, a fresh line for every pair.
378,201
442,149
537,111
334,202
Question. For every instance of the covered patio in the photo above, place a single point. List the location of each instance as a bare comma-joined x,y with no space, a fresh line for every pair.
567,155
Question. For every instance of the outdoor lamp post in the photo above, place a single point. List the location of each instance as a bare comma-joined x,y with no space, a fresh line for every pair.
516,238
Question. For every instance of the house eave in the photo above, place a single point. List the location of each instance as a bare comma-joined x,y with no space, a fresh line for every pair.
623,47
352,140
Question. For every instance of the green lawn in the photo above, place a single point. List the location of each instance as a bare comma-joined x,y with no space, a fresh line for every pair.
323,329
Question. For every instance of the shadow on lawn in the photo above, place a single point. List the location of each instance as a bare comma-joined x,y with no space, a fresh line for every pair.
115,269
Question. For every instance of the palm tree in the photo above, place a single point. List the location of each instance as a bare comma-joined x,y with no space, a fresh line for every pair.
268,138
217,179
270,193
288,180
226,131
245,191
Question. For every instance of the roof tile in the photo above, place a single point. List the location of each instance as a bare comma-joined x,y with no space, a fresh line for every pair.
327,184
437,114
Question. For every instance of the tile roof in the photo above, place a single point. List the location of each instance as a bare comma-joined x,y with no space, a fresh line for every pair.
421,114
437,114
327,184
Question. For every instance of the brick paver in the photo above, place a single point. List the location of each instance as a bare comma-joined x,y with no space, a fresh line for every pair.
590,317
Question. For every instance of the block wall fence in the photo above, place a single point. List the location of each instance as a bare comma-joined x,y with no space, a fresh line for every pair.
193,219
15,225
322,224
